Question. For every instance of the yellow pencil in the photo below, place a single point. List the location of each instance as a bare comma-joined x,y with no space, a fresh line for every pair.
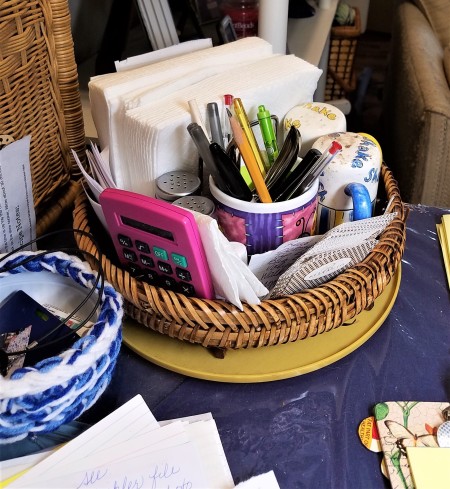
249,159
245,124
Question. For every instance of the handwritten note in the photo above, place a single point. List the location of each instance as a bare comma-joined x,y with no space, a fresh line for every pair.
129,449
174,468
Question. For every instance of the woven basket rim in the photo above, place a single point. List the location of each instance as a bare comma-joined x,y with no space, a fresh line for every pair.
217,323
348,31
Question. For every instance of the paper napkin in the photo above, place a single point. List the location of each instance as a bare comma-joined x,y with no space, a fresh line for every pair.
340,248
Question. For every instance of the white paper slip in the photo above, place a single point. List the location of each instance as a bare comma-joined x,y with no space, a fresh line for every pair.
263,481
100,165
9,468
202,430
202,433
93,185
17,215
142,444
188,419
205,436
124,423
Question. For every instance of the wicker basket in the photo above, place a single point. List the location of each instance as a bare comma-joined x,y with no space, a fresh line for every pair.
39,96
341,78
219,324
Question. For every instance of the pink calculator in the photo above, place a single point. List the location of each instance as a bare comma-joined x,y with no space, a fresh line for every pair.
157,242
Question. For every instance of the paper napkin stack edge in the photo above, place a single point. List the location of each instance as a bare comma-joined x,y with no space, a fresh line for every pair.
104,88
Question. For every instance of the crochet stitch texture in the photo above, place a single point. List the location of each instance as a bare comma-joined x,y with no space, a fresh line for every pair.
59,389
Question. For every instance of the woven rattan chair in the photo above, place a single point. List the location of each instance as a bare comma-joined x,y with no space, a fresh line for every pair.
39,96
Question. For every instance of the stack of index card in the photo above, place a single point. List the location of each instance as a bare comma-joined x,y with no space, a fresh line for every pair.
129,448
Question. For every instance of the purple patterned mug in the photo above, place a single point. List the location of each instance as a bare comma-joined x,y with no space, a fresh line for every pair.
263,227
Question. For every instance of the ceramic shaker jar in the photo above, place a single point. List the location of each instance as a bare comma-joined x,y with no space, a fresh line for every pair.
348,186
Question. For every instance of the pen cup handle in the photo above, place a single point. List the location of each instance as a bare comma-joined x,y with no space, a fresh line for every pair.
362,206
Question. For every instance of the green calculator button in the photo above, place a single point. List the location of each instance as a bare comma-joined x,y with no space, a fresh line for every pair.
179,260
160,253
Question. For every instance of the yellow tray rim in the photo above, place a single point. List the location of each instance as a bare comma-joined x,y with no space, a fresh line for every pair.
261,364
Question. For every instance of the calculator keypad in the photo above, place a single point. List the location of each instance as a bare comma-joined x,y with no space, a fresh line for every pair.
125,241
169,272
187,289
183,274
160,253
147,261
142,247
179,260
129,255
164,267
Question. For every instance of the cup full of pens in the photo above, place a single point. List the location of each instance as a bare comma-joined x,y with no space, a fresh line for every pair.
262,226
264,193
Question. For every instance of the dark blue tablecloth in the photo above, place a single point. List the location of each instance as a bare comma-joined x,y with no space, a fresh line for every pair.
305,428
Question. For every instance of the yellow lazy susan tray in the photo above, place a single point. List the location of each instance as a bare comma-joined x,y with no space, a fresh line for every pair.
261,364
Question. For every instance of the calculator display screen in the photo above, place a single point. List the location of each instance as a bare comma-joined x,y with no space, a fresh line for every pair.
148,228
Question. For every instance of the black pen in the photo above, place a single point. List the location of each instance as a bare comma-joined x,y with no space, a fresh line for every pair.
285,187
286,158
201,142
234,181
334,149
225,174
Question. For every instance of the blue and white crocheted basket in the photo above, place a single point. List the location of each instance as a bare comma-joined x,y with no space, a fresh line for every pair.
59,389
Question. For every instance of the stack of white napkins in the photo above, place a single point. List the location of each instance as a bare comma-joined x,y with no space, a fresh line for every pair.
142,114
111,93
130,449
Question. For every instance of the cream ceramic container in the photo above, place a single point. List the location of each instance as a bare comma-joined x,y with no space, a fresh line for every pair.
348,186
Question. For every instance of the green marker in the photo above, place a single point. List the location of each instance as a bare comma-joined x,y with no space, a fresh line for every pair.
268,134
